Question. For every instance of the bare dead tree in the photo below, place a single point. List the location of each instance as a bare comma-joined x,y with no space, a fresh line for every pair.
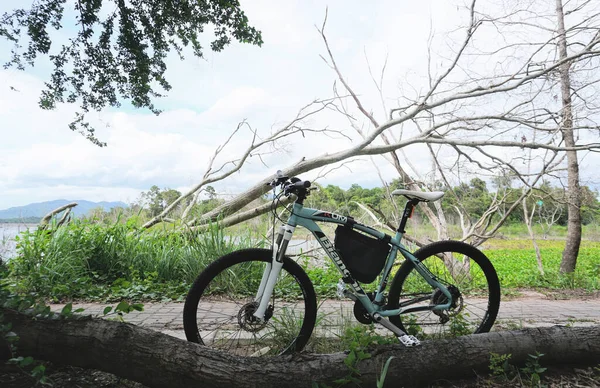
529,221
549,213
255,149
532,121
569,258
483,228
484,121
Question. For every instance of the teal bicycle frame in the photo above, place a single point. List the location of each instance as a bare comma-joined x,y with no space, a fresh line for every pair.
306,217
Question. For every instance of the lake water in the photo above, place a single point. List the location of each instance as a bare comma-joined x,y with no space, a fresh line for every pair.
7,238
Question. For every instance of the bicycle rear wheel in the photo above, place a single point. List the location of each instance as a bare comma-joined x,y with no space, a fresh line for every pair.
471,279
219,306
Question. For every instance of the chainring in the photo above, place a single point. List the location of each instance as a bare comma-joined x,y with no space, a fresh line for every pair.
361,314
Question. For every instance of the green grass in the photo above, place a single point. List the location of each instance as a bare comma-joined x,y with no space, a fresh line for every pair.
516,265
91,260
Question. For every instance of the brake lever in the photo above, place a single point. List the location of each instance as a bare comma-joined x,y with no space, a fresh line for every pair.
277,181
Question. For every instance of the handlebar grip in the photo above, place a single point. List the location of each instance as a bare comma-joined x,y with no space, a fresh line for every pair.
302,184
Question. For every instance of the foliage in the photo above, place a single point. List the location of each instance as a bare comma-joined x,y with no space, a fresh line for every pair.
358,340
91,260
515,264
32,305
529,376
459,325
156,200
119,49
412,326
474,197
324,278
94,261
499,365
533,370
27,303
285,327
384,370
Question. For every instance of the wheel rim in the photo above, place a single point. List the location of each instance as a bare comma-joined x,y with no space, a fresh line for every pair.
225,318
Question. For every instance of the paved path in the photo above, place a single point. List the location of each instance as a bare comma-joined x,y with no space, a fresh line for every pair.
531,311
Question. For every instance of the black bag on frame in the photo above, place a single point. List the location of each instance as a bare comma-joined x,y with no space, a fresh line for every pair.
364,256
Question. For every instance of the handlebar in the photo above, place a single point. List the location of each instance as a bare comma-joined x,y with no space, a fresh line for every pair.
298,183
292,185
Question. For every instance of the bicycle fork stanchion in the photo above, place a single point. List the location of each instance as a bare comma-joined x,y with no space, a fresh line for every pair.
268,266
273,271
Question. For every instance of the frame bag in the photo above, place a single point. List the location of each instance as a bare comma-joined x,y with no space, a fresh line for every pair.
364,256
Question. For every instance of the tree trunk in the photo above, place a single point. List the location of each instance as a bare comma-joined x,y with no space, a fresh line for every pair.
569,258
158,360
46,219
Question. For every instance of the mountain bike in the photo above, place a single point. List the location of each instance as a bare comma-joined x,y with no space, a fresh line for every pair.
259,301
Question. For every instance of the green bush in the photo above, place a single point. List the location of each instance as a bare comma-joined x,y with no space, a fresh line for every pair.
90,260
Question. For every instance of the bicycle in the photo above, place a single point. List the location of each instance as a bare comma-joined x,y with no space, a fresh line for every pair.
259,301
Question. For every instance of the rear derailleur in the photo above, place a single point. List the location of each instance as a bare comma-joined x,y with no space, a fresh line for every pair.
456,307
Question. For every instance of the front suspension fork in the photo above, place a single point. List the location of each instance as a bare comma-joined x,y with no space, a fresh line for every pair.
272,270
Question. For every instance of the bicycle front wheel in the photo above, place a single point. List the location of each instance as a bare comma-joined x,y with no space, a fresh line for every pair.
469,276
219,307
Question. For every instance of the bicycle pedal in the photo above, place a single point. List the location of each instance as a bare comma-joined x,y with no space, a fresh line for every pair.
409,340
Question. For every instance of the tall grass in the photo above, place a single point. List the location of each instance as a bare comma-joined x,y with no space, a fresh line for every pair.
69,260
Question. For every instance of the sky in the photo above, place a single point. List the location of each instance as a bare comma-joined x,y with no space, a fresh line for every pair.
41,159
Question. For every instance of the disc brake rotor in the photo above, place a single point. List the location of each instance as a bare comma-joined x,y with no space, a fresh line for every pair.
248,321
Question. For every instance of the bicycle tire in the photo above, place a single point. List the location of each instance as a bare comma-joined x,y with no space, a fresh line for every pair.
477,307
218,308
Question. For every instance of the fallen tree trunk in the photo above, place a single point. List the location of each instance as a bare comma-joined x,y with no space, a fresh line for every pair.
46,219
158,360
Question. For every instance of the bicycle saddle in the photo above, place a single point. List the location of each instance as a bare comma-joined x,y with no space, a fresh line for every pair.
420,195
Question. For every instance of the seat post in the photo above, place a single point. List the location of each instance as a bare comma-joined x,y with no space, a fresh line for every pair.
408,210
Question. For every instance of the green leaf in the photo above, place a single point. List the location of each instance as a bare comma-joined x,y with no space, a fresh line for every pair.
107,310
38,372
66,311
79,310
123,306
350,359
343,381
26,361
384,371
138,306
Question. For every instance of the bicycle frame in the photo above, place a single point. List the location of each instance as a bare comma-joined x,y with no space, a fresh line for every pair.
307,218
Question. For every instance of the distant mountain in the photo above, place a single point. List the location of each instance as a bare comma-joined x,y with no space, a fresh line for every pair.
42,208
